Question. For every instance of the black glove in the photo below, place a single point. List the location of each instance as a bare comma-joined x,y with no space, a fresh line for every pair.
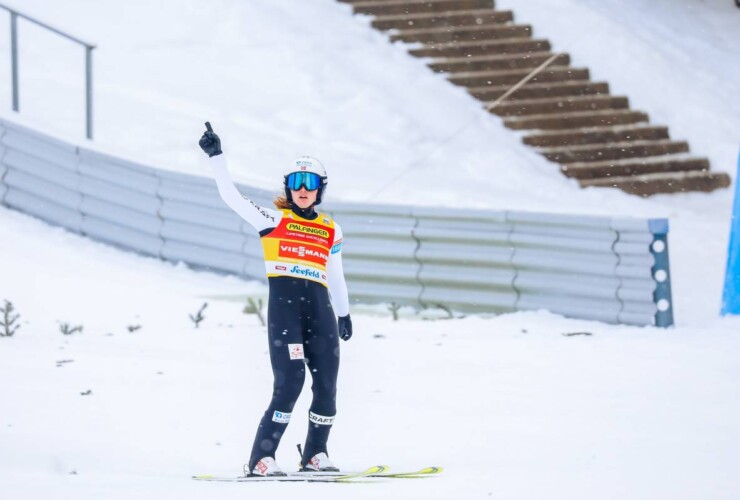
345,327
210,143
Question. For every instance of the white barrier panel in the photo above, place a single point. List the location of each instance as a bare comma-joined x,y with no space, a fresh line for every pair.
608,269
379,253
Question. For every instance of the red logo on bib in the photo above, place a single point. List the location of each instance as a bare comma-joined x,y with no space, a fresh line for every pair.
308,253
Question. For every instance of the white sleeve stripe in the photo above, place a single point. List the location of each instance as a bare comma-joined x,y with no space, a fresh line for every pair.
258,217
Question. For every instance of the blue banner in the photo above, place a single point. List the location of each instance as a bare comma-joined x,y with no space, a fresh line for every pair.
731,293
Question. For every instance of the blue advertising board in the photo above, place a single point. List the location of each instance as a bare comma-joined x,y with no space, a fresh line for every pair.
731,293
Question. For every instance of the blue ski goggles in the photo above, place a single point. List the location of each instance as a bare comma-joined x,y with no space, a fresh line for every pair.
309,180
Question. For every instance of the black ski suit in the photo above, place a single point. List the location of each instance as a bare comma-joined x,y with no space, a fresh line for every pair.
304,265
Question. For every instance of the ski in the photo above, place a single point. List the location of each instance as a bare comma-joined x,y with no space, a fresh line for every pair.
379,471
295,477
424,472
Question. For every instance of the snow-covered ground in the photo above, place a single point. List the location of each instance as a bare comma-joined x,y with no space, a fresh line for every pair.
509,405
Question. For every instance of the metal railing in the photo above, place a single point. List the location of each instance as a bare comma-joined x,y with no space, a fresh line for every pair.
14,15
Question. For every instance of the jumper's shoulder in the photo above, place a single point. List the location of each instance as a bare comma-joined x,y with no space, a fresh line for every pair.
327,219
330,221
338,234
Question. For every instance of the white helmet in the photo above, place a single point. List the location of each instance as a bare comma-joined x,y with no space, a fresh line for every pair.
308,165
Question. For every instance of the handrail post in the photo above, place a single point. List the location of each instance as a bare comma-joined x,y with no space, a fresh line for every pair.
14,58
14,15
89,90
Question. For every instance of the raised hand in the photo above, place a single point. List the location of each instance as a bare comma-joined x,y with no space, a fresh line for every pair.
210,142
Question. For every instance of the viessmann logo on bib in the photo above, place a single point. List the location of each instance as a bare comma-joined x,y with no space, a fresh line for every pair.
303,252
294,226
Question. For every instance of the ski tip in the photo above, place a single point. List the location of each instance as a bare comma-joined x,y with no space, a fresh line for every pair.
370,471
425,472
204,476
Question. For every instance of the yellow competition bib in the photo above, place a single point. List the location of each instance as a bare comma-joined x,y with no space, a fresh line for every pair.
299,248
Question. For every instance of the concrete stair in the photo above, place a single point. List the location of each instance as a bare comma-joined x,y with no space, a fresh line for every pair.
463,34
663,183
559,105
614,150
477,48
634,166
479,17
540,90
495,62
576,119
406,7
594,136
512,77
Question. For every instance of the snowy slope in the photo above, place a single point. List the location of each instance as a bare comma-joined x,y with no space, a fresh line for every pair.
276,83
279,79
510,406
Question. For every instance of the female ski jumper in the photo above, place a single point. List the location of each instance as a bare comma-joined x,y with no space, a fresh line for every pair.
307,290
